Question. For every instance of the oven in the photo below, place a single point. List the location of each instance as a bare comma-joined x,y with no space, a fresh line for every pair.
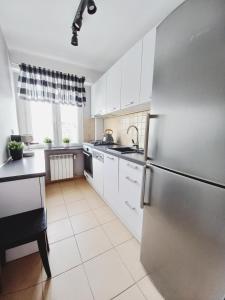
88,165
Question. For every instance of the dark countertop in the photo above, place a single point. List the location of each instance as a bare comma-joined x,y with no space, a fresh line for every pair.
27,167
137,158
56,148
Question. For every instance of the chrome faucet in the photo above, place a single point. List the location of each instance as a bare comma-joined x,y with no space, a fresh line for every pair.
137,141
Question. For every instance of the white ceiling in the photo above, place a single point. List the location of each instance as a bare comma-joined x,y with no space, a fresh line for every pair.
44,28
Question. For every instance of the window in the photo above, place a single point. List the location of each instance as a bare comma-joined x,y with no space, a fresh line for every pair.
43,119
69,122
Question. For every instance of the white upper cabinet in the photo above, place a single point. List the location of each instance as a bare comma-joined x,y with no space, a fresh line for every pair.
148,54
131,76
113,88
128,82
98,97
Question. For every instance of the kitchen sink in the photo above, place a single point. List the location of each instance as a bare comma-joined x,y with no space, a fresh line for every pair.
126,150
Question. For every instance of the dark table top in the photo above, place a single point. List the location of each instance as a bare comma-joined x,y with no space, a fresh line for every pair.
27,167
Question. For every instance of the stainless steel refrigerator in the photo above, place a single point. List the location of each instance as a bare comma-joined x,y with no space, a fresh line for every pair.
183,242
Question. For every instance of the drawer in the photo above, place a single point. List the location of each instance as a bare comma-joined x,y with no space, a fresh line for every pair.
132,216
131,170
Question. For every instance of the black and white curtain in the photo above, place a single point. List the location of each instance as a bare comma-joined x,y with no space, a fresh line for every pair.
40,84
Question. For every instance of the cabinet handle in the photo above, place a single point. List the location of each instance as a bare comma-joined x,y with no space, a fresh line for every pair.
132,102
131,180
132,167
128,205
112,158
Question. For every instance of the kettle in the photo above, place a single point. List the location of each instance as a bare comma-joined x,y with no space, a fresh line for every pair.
108,138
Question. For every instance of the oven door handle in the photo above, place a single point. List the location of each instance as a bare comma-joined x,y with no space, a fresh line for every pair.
87,154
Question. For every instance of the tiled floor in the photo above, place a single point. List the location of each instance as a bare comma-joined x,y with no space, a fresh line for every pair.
92,254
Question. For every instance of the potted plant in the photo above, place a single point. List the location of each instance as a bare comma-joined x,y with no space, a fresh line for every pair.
48,142
16,150
66,142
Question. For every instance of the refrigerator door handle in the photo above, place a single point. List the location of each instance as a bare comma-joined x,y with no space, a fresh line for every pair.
146,145
147,186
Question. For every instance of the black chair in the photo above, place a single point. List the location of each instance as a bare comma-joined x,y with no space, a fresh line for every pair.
24,228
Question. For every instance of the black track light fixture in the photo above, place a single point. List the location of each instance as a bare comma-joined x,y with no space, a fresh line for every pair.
74,40
91,7
77,22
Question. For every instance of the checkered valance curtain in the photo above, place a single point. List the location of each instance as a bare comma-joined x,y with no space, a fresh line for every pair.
40,84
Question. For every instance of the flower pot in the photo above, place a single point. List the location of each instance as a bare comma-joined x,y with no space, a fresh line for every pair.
16,154
48,145
66,145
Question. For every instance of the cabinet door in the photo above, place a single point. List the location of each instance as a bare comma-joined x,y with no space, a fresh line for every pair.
19,196
148,54
111,170
131,76
113,87
98,97
130,189
98,176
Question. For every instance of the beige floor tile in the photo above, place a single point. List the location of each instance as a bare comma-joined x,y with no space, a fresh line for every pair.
67,184
83,222
104,214
33,293
133,293
95,202
92,242
54,200
116,232
22,273
77,207
63,256
69,286
56,213
59,230
72,195
107,275
149,290
53,187
130,254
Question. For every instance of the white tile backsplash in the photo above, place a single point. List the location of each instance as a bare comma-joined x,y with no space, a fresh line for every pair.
120,124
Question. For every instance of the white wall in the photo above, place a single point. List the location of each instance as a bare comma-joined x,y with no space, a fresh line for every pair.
18,57
8,120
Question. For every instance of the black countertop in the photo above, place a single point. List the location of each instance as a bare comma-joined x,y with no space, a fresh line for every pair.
137,158
27,167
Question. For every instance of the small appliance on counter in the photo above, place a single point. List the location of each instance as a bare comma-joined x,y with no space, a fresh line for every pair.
27,139
108,138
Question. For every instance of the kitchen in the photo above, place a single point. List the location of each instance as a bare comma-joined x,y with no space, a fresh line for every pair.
112,181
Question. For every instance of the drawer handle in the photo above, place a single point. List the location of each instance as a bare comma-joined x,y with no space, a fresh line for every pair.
131,102
131,180
128,205
132,167
112,158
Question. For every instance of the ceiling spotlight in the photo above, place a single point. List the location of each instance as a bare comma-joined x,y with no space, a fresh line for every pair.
91,7
74,40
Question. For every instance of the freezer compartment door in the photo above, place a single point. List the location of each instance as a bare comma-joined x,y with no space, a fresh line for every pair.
183,238
189,91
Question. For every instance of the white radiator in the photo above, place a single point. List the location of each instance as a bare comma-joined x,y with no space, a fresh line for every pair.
61,166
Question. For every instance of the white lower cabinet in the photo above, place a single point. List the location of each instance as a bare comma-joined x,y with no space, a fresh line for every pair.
22,195
130,191
98,169
111,177
120,184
